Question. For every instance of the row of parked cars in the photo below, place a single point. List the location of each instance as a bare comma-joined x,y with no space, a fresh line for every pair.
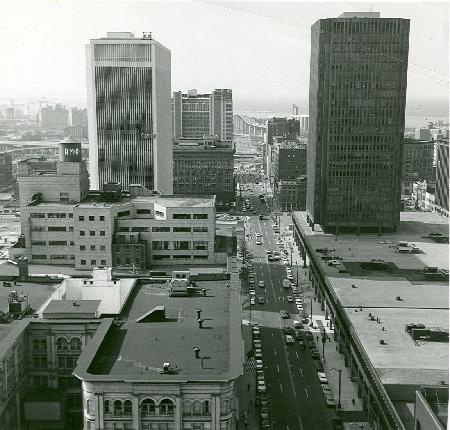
262,398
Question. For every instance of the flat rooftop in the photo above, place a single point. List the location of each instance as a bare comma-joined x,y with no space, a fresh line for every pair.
167,201
67,308
138,350
38,294
360,291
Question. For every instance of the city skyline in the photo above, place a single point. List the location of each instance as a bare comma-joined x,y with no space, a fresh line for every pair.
255,42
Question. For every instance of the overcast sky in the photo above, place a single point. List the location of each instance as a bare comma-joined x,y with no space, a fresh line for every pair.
259,49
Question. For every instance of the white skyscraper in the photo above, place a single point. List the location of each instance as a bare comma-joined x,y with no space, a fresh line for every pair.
129,112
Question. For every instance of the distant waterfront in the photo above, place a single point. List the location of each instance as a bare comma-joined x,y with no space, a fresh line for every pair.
410,120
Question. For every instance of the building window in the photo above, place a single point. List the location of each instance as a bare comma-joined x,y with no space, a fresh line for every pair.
37,215
181,229
187,407
103,262
40,362
200,216
91,218
92,233
205,408
161,257
39,257
102,248
82,247
56,215
102,233
122,229
83,262
159,214
166,407
93,262
127,408
92,247
148,408
181,216
181,245
143,211
160,245
61,344
57,228
197,408
200,229
200,245
122,214
75,344
38,242
118,410
160,229
82,233
57,242
102,218
81,218
107,407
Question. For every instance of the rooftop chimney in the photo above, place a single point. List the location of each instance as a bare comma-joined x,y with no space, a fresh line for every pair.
199,311
200,323
197,352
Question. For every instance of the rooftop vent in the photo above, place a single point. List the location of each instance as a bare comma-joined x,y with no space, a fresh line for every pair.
382,342
197,351
75,304
200,323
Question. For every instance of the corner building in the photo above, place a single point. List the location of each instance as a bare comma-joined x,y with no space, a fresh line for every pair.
128,82
357,104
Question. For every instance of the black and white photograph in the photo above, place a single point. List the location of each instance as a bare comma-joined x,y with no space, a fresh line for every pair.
224,215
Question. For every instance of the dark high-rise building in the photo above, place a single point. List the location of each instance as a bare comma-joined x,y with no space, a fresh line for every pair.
6,176
357,98
442,190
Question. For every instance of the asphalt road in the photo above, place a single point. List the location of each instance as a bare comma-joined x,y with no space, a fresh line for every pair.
296,397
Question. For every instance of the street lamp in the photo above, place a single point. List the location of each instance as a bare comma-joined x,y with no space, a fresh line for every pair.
324,339
339,394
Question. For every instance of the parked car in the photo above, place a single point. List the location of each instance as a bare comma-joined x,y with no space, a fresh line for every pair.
261,284
261,300
290,299
301,344
330,401
298,334
252,301
259,365
289,339
315,354
322,377
309,335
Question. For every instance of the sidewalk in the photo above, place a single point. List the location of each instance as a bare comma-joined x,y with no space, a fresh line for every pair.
246,388
351,404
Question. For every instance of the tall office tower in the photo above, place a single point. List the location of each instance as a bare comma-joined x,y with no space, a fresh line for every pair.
357,100
198,115
130,140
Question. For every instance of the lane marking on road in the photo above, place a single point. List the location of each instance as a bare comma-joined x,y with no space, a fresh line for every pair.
300,424
281,387
274,352
296,354
306,392
278,368
301,371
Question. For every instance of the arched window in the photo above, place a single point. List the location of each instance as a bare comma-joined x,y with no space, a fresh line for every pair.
166,407
61,344
90,406
148,408
205,408
107,407
118,411
197,407
187,407
127,407
75,344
